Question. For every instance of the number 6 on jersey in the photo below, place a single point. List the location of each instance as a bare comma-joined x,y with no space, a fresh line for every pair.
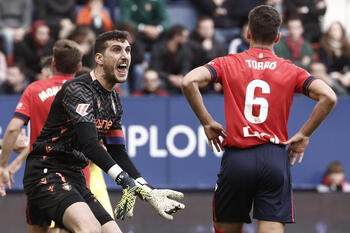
250,101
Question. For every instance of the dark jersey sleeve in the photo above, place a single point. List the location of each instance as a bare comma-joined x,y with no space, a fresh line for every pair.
119,154
90,146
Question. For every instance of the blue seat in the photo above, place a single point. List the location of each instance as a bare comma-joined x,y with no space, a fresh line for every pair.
182,13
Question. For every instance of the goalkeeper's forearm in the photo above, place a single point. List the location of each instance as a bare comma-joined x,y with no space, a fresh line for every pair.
92,149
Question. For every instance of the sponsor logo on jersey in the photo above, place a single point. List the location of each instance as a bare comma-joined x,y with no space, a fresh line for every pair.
82,109
103,124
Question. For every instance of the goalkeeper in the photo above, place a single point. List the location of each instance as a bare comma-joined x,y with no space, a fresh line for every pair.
86,112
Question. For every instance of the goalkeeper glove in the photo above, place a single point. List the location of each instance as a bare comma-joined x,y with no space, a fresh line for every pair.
160,200
130,190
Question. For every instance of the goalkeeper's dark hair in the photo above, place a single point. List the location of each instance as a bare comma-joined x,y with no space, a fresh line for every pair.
101,40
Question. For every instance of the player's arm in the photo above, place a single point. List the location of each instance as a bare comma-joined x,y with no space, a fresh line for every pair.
16,164
326,100
9,140
121,157
195,79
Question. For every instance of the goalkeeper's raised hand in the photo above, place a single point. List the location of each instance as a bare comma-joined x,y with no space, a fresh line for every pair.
130,191
160,200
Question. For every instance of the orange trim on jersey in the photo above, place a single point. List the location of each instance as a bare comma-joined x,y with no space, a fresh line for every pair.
62,177
64,129
48,149
115,133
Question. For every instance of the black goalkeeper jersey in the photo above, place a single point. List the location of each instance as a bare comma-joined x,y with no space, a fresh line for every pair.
81,100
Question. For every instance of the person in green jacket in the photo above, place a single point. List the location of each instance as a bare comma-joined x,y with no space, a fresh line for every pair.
149,16
293,46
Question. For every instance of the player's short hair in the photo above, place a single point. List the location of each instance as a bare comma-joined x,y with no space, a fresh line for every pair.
264,23
67,56
101,45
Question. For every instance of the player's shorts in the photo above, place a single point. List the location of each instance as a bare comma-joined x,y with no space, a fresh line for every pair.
54,193
258,176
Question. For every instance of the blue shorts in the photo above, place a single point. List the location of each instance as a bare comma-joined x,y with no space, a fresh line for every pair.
258,176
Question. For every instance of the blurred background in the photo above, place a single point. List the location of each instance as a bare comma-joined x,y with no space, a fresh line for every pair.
163,137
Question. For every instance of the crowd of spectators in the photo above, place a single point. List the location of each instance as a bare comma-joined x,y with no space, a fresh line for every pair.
314,37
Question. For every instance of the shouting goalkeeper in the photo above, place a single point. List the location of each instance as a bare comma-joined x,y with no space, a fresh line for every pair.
84,124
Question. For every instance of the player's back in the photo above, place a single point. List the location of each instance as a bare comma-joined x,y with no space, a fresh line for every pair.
36,102
259,89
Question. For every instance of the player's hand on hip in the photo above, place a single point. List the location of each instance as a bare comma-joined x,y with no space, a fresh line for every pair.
162,201
297,145
213,131
130,190
5,179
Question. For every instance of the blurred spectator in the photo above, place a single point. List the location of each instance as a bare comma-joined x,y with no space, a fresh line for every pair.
228,15
171,58
309,11
240,44
151,83
85,37
293,46
46,68
36,44
15,19
58,14
203,43
278,4
111,5
319,70
15,81
337,11
93,15
3,67
334,52
149,17
138,62
334,179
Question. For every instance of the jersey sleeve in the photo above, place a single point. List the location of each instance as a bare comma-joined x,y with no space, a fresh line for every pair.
303,81
22,110
215,70
78,102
